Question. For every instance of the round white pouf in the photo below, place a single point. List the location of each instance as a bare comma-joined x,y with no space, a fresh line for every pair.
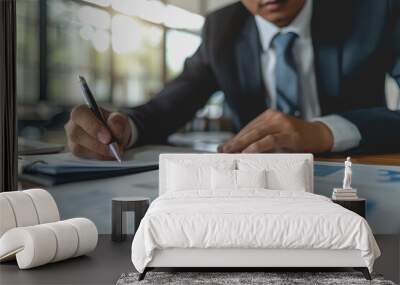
87,233
7,218
23,208
33,246
37,245
67,240
46,207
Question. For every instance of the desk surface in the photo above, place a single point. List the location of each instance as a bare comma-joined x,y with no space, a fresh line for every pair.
382,159
92,199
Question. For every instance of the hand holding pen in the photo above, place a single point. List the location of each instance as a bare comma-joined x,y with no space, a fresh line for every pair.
90,137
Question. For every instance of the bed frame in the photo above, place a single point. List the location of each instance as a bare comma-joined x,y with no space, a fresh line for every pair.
246,259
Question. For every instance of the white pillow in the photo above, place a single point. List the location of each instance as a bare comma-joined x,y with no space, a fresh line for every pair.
291,175
223,179
236,179
188,175
181,177
251,178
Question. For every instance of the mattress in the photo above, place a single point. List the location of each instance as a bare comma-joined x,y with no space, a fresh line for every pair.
251,219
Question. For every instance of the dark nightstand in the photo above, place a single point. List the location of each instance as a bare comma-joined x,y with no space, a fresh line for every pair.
357,206
139,205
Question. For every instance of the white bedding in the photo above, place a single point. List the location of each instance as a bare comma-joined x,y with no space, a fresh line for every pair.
251,218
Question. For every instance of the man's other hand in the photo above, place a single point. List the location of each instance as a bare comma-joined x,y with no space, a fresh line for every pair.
273,131
87,137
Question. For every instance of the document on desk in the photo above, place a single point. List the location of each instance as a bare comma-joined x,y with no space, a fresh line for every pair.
378,184
62,168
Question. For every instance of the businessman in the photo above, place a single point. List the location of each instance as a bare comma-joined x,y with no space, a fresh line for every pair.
298,75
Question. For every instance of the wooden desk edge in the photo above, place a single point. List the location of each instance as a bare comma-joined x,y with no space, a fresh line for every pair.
381,159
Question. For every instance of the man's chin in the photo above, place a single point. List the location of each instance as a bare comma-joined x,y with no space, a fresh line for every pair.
274,12
271,6
277,18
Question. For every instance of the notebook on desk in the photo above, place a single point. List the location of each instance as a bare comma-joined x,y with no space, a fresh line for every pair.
49,170
32,147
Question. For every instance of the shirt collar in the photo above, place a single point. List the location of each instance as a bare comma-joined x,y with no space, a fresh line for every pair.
300,25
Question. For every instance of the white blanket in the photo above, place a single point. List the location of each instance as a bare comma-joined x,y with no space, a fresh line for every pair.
250,219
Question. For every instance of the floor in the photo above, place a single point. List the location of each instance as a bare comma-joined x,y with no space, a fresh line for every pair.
110,260
103,266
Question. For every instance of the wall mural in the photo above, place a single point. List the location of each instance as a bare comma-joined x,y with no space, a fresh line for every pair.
380,185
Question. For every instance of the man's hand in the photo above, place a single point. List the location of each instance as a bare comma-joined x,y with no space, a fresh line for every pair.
273,131
87,137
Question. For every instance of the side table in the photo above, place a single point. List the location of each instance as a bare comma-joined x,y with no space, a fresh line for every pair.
357,206
139,205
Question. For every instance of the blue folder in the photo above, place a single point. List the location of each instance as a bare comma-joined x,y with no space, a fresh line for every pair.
53,169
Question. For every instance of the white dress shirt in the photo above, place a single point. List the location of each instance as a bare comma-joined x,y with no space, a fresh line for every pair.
345,134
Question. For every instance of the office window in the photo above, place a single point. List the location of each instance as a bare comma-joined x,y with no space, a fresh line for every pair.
121,56
27,51
78,43
137,46
126,52
179,46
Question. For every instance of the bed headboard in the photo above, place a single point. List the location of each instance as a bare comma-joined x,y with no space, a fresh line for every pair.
212,157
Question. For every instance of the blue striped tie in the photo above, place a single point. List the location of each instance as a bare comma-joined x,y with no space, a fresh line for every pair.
286,78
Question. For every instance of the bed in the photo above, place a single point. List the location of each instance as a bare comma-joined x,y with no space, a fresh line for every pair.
247,211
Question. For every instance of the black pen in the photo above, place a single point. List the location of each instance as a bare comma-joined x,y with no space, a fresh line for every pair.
91,102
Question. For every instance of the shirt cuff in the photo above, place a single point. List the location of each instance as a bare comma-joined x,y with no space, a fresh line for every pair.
345,134
134,134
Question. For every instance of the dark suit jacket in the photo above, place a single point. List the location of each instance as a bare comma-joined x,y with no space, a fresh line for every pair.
356,43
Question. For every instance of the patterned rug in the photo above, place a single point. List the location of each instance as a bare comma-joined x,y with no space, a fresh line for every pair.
243,278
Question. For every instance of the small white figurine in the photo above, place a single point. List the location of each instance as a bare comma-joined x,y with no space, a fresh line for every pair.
347,174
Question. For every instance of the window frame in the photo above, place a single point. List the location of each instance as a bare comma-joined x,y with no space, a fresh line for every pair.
43,47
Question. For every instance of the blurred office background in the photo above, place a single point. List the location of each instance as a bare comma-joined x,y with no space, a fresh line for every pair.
127,50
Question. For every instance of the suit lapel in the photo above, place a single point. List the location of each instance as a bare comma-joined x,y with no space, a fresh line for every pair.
327,35
247,56
326,64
